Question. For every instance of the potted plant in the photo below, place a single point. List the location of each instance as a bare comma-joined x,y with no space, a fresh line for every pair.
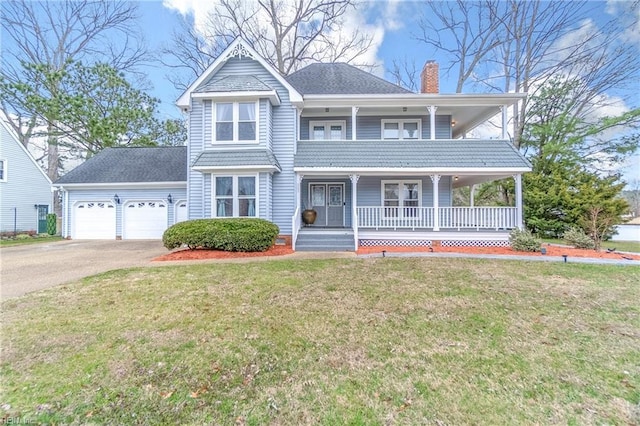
309,216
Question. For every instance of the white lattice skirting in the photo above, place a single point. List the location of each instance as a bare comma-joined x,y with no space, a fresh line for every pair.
395,243
472,243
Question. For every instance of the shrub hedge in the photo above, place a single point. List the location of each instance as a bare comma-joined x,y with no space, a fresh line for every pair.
228,234
524,241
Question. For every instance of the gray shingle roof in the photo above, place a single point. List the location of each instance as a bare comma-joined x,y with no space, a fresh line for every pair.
234,158
339,78
234,83
460,153
135,164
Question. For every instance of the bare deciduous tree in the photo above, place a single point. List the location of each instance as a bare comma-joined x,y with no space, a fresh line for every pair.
55,33
288,34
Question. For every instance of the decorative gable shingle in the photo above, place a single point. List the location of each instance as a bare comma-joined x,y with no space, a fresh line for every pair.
340,79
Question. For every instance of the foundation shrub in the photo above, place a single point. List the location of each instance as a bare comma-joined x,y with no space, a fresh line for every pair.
523,240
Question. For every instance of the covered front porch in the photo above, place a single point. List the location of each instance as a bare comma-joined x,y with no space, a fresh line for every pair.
410,209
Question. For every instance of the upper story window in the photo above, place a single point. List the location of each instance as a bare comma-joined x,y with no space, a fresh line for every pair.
401,129
3,170
328,130
235,122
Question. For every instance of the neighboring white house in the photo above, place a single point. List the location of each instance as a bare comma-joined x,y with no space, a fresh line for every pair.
25,190
376,162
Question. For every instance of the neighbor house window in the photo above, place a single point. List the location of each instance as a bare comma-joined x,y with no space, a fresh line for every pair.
401,129
235,196
401,198
328,130
3,170
235,122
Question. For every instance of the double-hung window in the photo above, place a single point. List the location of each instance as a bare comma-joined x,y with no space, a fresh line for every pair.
234,196
401,199
328,130
235,122
401,129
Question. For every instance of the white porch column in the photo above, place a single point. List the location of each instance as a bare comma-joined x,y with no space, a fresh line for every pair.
354,114
432,122
354,207
296,190
472,192
504,110
436,202
519,212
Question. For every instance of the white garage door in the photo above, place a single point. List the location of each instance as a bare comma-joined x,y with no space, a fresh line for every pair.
94,220
144,220
181,211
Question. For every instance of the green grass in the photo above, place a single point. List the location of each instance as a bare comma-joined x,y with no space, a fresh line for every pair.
629,246
359,341
21,242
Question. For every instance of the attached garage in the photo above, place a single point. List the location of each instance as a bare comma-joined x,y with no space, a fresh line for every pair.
144,220
94,220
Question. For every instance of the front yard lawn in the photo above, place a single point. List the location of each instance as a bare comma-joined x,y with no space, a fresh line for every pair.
10,242
358,341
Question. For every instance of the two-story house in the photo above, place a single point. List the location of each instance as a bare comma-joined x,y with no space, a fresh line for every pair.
377,163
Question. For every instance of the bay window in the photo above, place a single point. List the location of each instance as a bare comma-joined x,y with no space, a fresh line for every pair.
234,196
235,122
401,129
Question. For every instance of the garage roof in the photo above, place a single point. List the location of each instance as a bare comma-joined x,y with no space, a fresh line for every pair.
130,165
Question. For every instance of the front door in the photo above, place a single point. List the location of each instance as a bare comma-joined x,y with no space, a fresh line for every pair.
43,210
327,199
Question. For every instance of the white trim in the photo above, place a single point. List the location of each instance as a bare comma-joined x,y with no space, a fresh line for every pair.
401,123
4,170
234,193
272,95
184,101
412,99
118,185
235,123
404,170
239,168
16,139
400,206
327,128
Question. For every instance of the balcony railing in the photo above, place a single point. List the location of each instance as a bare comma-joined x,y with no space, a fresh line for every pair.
380,217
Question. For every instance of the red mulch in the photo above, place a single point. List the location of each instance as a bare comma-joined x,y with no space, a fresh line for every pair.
186,254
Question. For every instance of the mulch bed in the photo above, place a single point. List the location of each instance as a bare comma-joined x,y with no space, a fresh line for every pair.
186,254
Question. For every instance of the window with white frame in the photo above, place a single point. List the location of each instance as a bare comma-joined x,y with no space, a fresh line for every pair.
401,198
401,129
328,130
235,122
3,170
235,196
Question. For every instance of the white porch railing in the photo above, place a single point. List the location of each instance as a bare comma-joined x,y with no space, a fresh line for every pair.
296,224
449,217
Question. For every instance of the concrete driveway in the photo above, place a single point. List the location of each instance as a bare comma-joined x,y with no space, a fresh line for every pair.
34,267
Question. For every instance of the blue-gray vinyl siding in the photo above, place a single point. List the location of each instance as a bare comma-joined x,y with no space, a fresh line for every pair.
370,127
75,196
370,190
25,187
276,128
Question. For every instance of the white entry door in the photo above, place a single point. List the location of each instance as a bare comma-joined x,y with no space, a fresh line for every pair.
94,220
144,220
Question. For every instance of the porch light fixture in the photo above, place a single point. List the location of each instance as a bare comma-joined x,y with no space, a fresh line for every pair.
455,178
453,123
35,206
404,109
326,110
116,198
170,199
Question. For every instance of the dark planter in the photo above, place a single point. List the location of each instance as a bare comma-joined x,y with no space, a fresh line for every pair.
309,216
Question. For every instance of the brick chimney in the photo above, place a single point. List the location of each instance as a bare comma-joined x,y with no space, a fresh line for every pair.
429,78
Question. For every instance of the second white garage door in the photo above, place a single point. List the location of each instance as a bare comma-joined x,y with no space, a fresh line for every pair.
144,220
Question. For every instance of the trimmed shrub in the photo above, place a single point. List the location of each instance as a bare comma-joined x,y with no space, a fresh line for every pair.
228,234
578,239
523,240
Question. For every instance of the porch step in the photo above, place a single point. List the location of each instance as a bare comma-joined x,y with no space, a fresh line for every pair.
328,241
